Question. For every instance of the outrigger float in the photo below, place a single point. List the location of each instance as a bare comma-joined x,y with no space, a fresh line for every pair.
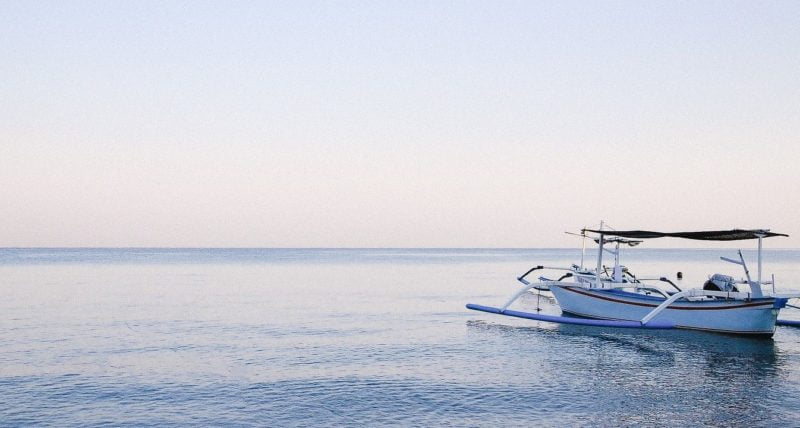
597,297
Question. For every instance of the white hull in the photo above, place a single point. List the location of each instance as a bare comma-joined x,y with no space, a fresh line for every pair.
754,316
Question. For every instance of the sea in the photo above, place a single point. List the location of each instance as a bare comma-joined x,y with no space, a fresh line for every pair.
365,337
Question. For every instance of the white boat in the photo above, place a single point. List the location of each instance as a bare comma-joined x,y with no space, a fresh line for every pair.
617,298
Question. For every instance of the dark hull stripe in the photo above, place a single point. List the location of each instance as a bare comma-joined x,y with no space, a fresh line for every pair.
682,308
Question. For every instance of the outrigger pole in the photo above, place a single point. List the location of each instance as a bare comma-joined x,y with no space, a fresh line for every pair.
655,325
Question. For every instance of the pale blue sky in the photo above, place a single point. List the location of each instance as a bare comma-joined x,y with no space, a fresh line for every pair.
394,124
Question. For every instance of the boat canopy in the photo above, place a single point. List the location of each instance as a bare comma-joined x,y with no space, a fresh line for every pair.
708,235
630,242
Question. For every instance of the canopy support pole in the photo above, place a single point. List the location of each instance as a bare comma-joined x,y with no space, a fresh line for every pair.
759,259
583,246
599,257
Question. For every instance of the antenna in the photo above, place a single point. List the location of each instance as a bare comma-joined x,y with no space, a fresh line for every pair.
583,243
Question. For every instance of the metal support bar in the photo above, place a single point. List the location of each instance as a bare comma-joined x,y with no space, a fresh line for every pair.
665,279
744,265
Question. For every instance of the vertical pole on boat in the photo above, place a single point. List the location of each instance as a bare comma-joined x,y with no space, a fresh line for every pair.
583,245
599,257
760,237
617,268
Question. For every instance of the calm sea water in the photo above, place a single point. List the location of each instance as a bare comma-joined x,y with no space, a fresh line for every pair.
294,337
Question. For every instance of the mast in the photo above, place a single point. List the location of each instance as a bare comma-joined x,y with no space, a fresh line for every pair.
617,268
599,257
583,245
760,238
756,287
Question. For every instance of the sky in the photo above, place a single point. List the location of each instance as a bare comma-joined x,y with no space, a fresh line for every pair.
394,123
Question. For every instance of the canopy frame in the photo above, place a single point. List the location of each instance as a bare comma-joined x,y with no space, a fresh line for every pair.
707,235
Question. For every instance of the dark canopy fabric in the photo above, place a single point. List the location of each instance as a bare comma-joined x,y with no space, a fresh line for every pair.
708,235
630,242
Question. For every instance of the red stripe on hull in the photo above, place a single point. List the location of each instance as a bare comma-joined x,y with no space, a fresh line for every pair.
683,308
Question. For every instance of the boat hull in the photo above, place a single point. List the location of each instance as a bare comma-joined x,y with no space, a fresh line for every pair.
753,317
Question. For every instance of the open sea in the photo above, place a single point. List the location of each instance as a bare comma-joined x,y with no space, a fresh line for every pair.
363,337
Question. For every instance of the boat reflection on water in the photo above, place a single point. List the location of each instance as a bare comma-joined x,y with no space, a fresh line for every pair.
696,343
628,376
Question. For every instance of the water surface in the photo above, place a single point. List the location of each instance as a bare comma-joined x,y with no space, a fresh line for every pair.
361,337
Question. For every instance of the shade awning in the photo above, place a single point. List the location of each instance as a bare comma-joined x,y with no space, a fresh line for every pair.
707,235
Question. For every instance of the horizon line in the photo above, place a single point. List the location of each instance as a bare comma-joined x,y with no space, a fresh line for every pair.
358,248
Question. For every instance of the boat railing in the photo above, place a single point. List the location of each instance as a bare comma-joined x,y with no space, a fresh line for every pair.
587,277
571,270
662,279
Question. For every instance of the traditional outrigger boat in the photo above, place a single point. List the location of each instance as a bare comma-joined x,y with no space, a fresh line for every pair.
597,297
